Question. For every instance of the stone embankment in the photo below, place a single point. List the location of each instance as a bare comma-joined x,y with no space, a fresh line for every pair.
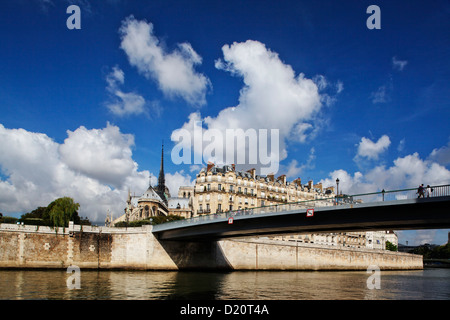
137,249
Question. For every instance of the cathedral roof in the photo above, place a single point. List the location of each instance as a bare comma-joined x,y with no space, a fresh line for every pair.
150,194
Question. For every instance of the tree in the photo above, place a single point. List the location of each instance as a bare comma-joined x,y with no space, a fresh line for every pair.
63,210
390,246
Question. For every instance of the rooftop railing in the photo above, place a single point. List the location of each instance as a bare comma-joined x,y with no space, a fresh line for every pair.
391,195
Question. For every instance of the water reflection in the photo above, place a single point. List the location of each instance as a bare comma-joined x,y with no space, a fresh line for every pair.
163,285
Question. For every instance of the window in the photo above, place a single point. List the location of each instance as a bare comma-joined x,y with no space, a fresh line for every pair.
208,187
245,190
219,187
219,207
231,188
207,207
239,189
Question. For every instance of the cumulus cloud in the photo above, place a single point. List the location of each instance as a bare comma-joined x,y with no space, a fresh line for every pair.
176,180
93,166
273,97
123,103
441,155
101,154
173,71
371,150
405,172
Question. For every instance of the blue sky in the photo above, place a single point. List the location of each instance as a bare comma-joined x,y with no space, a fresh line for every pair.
83,112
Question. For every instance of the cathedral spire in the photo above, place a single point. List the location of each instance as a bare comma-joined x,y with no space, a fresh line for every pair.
161,178
161,187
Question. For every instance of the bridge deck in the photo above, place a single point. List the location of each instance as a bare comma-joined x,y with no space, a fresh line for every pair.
423,213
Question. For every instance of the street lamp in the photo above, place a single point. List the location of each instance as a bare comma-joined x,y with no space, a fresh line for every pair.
337,184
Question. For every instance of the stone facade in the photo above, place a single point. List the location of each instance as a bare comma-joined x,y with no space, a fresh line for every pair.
221,189
137,248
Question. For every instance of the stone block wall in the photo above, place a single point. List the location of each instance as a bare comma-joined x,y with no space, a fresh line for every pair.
138,249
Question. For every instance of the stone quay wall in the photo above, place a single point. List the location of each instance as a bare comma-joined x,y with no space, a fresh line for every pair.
137,249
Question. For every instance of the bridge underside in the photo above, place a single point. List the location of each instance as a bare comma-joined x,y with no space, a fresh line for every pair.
428,213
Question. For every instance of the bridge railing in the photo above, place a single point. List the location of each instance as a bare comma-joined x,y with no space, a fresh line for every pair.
433,191
391,195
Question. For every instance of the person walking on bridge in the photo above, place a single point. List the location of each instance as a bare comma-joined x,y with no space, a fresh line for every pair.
420,191
429,191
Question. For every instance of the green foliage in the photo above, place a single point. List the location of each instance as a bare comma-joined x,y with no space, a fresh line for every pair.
5,219
390,246
56,214
440,252
63,210
152,221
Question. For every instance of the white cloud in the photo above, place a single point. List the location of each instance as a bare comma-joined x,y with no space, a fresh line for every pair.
406,172
95,167
441,155
398,64
339,86
123,103
174,72
101,154
176,180
371,150
380,96
294,170
273,97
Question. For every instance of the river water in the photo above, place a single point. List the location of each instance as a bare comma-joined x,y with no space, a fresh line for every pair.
238,285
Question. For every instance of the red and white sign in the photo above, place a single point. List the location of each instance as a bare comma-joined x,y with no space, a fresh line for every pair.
230,220
309,212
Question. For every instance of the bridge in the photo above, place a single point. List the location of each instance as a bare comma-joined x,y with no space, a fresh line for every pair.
385,210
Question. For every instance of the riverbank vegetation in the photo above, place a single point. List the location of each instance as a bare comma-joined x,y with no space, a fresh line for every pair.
152,221
429,252
57,214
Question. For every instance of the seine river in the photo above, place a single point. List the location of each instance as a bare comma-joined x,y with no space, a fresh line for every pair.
424,284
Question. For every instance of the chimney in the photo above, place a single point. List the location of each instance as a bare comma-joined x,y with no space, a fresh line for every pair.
271,177
298,182
210,165
310,184
282,178
233,166
252,172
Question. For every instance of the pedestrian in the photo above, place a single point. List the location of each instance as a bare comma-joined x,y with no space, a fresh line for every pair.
429,191
420,191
